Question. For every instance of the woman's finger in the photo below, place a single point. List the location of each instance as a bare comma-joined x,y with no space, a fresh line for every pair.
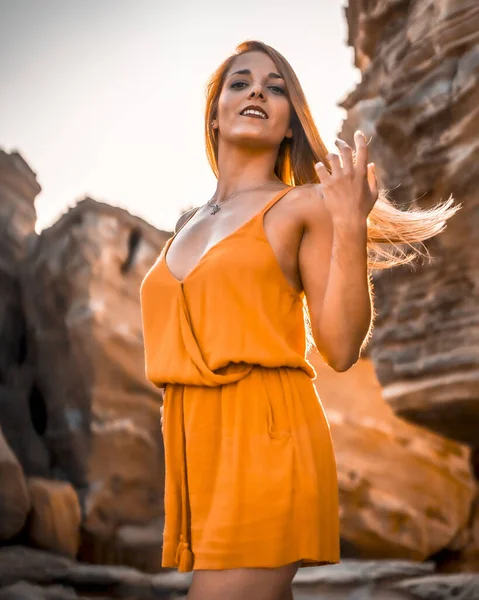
347,156
322,172
361,154
372,180
335,163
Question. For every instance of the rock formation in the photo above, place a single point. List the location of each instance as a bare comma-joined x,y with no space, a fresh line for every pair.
405,492
21,416
419,102
81,298
75,406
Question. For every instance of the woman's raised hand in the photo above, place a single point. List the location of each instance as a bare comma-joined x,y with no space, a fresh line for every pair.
350,190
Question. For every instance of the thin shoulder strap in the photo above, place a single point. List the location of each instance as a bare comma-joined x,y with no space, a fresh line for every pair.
275,199
193,213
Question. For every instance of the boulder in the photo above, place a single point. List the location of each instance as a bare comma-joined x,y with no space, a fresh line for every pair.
54,522
103,430
14,496
405,492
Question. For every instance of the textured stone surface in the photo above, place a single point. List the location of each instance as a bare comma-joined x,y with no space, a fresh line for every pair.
448,587
104,431
405,492
419,100
54,521
349,580
26,591
14,496
20,406
19,563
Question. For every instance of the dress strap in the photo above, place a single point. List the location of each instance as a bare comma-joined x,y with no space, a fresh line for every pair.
183,224
275,199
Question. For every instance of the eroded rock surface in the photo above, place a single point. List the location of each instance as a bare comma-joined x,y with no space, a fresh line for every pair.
54,520
14,497
104,430
419,100
21,416
405,492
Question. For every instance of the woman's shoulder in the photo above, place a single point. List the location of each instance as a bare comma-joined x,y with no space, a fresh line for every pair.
308,201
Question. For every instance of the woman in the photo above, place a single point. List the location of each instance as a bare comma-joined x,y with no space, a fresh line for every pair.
251,489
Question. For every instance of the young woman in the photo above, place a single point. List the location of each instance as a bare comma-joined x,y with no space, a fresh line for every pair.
280,254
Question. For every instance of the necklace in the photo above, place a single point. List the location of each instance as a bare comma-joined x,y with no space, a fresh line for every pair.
216,207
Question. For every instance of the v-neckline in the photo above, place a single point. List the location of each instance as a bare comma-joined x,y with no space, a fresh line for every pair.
214,246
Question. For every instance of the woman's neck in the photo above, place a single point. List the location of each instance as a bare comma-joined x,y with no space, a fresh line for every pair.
243,168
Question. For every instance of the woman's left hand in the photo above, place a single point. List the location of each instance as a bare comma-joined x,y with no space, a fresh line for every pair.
350,190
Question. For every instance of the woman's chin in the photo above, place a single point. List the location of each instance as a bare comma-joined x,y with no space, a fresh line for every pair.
250,137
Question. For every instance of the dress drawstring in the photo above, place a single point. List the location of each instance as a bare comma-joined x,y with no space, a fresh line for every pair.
184,555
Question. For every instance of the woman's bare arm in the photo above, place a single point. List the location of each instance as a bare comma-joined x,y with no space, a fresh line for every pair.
333,254
332,264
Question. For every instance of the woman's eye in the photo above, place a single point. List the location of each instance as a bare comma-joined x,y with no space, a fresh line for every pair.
277,89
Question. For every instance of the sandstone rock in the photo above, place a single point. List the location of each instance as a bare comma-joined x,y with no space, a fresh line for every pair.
464,552
141,547
26,591
19,563
104,429
138,546
18,190
383,580
14,497
358,580
54,522
20,403
404,492
419,100
447,587
351,579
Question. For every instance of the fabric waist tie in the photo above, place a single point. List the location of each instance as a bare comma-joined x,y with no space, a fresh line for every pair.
184,555
206,376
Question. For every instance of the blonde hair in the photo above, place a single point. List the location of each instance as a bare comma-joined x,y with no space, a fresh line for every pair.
391,231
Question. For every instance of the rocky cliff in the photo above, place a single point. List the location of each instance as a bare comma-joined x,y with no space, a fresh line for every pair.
418,100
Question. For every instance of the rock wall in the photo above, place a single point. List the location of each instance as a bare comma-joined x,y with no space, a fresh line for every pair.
20,424
81,423
81,286
405,492
419,101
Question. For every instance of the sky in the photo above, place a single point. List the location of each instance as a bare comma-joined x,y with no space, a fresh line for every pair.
106,98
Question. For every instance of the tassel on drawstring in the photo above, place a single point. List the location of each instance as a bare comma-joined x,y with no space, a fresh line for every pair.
184,556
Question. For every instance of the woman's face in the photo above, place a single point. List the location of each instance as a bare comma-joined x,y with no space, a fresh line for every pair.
259,85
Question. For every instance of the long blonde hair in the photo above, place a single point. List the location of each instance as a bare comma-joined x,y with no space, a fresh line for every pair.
391,230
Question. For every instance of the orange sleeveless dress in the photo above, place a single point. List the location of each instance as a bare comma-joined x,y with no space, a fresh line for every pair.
250,471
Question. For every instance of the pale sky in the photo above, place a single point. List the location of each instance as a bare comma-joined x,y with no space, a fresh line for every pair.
106,97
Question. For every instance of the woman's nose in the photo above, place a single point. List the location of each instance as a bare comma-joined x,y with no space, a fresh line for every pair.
256,91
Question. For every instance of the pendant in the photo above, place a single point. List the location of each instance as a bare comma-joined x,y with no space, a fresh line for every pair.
215,208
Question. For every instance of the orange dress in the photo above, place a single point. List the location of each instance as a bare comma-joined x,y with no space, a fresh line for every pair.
250,469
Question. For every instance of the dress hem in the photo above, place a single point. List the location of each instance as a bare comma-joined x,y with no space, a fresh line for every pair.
204,563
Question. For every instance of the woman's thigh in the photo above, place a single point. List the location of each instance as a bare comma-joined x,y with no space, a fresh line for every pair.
243,583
